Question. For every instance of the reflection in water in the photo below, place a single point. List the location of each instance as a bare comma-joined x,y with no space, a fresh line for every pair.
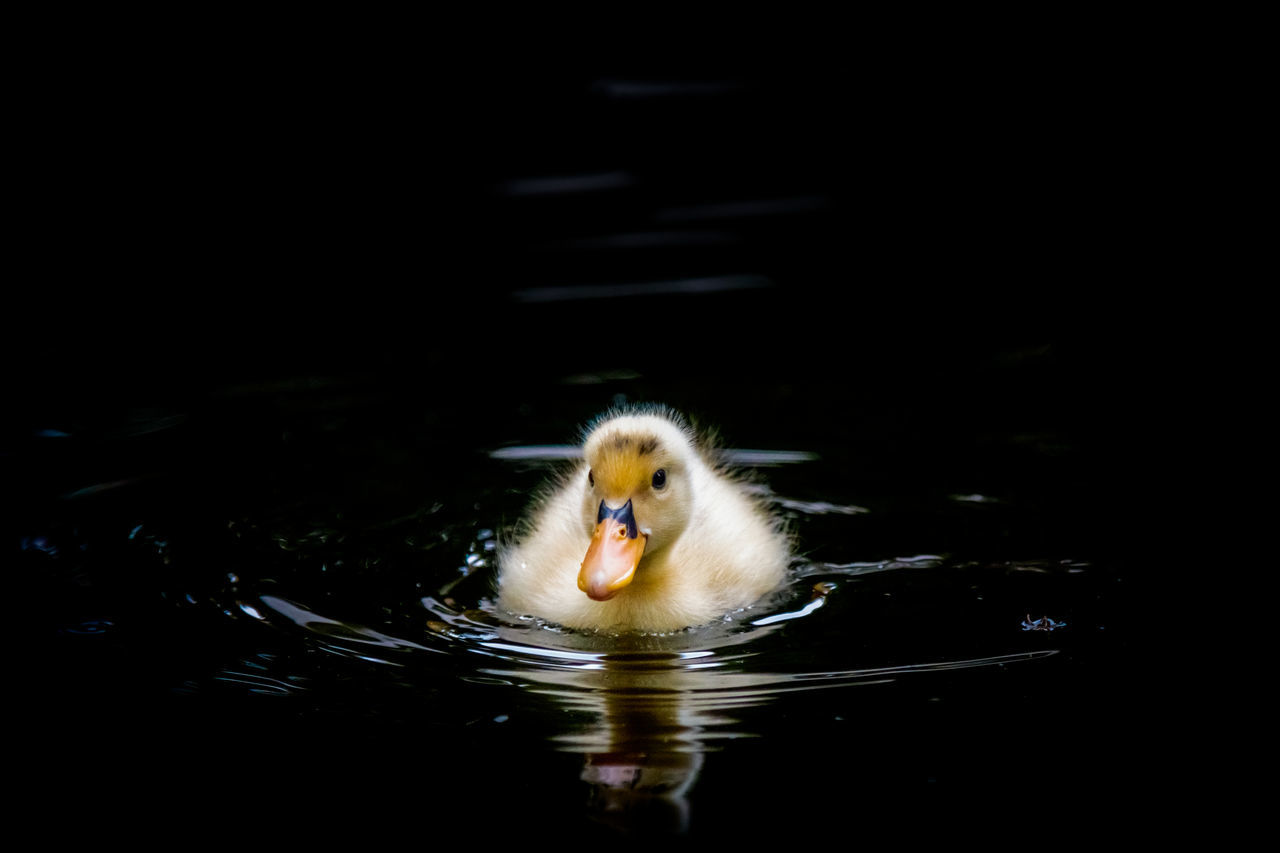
643,711
657,287
385,620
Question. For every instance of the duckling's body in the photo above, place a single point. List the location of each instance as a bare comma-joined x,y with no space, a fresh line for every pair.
670,540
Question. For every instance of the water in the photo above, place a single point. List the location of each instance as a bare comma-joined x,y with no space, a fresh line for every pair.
314,598
253,530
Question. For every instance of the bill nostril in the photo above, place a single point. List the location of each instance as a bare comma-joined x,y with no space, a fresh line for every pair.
623,515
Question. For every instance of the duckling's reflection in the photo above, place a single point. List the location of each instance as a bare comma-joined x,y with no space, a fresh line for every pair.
648,709
643,754
644,709
649,718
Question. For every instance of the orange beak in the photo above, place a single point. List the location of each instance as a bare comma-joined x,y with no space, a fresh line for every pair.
615,551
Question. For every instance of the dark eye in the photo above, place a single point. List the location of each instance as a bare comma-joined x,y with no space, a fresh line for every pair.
591,478
659,478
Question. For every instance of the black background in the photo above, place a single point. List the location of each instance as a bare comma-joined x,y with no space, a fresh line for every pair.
195,213
927,237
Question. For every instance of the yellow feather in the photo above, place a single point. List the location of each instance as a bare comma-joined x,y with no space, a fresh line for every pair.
711,547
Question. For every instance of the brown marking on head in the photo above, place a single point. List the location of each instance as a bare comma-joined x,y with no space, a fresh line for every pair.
640,445
618,464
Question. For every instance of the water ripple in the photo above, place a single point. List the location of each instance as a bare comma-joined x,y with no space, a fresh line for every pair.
644,710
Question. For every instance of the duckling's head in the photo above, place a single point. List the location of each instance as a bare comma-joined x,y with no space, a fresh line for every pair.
637,495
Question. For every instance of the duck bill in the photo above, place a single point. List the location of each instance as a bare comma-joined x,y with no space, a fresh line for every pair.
615,551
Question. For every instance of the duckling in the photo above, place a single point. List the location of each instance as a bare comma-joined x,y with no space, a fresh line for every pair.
647,533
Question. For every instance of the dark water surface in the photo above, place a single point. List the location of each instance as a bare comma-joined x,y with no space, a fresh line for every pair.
307,591
252,503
